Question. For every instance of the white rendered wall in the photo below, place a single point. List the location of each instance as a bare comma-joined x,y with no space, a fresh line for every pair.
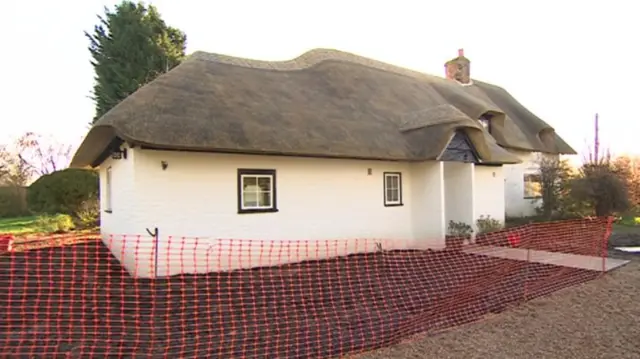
459,188
489,189
332,207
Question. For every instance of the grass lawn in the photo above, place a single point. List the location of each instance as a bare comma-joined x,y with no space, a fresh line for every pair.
628,225
622,228
29,226
20,225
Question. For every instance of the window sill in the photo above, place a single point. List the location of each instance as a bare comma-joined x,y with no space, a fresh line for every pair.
261,210
394,204
108,211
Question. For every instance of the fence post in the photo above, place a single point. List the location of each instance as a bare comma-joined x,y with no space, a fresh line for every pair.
526,275
605,242
156,237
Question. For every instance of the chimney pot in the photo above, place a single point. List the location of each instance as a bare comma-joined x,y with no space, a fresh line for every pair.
458,69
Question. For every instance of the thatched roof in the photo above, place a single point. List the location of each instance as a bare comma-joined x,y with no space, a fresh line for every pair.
325,103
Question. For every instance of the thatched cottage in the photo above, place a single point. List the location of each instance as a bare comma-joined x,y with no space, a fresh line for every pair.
329,145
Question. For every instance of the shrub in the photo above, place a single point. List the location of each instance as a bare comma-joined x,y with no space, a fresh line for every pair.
59,223
554,175
88,214
13,202
628,168
459,229
488,224
600,187
62,191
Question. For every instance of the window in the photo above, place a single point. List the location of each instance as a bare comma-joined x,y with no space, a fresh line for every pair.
485,121
107,195
392,189
256,191
532,186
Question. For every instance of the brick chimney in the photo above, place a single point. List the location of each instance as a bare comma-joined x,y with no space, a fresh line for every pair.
458,69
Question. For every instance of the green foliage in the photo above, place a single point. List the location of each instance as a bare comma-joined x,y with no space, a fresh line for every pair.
13,202
88,214
459,229
19,225
488,224
600,186
63,191
555,176
130,47
628,168
59,223
629,221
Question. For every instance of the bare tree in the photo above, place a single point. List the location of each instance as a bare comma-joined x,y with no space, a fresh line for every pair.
13,171
42,156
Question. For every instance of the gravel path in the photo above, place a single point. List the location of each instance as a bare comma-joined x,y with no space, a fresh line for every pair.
599,319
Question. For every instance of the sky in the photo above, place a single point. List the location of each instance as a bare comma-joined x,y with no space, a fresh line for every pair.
565,61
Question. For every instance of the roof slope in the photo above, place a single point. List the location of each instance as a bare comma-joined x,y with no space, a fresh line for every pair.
324,103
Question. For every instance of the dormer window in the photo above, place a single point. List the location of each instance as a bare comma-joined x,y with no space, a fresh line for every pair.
485,121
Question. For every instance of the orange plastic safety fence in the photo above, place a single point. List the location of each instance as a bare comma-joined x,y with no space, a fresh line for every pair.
128,296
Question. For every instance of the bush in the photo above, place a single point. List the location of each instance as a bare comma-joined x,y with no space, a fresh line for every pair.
63,191
459,229
59,223
88,215
488,224
13,202
554,175
600,187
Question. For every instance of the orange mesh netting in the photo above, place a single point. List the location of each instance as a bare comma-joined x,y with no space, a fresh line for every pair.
306,299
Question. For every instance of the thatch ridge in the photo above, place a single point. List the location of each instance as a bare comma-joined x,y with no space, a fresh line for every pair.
309,59
324,103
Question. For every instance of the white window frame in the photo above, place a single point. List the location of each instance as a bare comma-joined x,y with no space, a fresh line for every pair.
387,201
257,174
108,189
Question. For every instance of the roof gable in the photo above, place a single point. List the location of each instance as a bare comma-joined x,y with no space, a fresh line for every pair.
459,149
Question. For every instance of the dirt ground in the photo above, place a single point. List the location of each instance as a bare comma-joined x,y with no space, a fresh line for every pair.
77,302
598,319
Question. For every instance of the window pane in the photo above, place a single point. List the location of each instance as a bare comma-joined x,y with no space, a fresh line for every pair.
265,199
250,198
264,183
249,181
108,191
392,195
532,186
394,182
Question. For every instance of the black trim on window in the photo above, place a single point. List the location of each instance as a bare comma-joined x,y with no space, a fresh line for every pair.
247,171
384,189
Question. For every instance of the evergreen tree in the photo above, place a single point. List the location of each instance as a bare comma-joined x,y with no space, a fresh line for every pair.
130,47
